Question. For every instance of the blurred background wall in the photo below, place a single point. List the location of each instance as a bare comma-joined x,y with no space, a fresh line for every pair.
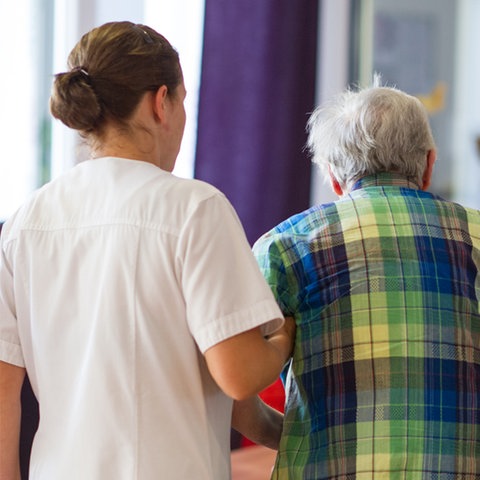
253,71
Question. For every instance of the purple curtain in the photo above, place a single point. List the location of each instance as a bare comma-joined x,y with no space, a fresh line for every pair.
257,89
29,425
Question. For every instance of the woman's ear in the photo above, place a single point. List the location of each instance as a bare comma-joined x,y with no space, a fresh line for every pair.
159,103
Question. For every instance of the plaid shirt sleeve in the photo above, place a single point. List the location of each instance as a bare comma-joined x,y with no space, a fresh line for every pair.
271,260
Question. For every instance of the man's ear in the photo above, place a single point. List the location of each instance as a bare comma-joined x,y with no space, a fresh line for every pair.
427,174
334,183
159,103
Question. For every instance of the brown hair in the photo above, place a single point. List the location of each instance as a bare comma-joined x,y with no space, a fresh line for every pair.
111,67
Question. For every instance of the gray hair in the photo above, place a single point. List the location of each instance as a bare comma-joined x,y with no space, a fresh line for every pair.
377,129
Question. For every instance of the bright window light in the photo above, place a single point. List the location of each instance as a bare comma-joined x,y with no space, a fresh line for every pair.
19,117
181,22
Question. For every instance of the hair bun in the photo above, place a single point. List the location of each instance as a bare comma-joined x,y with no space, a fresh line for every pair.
73,100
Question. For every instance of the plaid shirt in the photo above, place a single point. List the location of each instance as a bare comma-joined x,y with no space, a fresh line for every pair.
385,378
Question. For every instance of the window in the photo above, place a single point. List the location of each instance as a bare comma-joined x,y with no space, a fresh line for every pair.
24,87
181,21
39,36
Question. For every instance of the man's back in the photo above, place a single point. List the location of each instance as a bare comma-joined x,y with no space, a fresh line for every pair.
385,379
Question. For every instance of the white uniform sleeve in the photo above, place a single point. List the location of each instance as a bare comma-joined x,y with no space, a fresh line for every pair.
225,292
10,349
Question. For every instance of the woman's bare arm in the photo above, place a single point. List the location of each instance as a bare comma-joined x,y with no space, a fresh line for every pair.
247,363
11,381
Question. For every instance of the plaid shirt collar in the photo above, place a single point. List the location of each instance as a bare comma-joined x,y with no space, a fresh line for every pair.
385,179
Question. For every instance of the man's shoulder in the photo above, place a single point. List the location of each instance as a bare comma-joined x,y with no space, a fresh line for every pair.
302,226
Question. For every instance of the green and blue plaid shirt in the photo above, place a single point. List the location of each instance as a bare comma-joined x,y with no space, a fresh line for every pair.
384,285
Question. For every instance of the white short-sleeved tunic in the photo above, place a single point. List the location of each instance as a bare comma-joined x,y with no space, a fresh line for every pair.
114,279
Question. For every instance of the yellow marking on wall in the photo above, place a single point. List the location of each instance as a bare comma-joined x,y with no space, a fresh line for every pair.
434,102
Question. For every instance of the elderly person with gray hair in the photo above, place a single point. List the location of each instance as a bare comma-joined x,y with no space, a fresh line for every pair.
384,286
